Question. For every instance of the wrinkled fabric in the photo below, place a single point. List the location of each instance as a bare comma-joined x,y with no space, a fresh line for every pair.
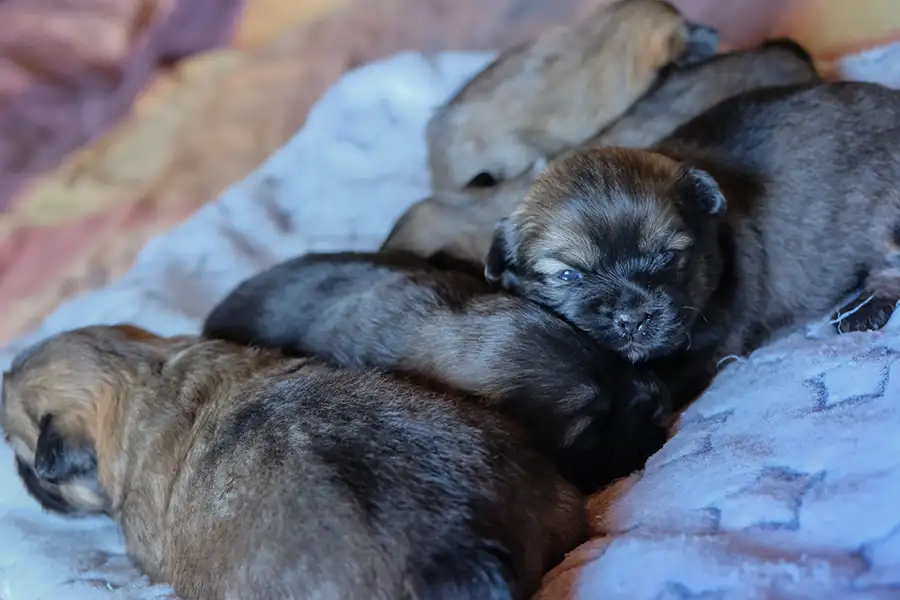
70,68
199,127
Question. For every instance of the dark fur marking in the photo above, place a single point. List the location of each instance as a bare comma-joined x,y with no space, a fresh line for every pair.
482,572
48,499
702,43
483,180
57,460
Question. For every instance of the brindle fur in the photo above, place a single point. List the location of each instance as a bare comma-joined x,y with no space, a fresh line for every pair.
460,225
593,413
554,93
236,473
766,210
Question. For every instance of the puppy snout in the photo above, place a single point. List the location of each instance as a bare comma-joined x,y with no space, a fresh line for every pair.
629,323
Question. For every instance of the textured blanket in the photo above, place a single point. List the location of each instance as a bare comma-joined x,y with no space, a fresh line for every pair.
780,482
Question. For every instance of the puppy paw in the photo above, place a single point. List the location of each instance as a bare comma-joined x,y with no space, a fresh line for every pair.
864,313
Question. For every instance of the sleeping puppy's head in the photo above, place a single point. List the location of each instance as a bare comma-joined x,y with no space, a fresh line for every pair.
59,397
622,243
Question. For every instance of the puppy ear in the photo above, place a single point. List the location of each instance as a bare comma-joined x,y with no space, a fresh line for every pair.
498,265
697,189
58,460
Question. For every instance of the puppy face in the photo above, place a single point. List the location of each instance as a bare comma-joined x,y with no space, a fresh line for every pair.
622,243
57,396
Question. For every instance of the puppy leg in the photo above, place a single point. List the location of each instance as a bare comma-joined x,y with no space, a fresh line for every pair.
872,308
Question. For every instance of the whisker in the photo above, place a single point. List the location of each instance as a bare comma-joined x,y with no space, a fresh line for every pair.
696,310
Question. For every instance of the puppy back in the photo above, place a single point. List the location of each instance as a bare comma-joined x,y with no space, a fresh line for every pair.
684,93
363,482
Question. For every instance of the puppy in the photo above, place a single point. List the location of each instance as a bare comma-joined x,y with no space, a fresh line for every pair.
765,210
684,93
458,225
236,473
595,415
541,98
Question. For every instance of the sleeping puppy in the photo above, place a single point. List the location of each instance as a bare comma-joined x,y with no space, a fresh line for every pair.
460,225
768,209
236,473
541,98
683,93
597,416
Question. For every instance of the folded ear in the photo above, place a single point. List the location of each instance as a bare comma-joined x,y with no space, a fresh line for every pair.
499,266
697,190
59,460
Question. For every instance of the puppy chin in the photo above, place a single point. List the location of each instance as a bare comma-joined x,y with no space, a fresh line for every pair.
634,352
641,349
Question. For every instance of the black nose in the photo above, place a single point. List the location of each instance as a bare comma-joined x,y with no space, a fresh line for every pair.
629,323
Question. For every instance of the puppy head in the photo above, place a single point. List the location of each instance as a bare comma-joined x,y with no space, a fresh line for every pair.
622,243
58,398
464,156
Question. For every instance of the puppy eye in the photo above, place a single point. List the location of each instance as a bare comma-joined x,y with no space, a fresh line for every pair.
568,275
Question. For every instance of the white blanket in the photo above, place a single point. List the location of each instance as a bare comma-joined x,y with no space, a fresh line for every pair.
783,481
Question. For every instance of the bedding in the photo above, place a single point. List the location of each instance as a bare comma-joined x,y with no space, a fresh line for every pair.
79,226
780,482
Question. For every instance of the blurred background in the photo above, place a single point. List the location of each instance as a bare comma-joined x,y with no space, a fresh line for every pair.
119,118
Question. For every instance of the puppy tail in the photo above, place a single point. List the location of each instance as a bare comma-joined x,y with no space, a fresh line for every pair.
463,574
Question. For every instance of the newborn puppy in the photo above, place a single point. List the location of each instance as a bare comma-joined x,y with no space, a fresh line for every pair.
541,98
236,473
594,414
767,209
683,93
458,225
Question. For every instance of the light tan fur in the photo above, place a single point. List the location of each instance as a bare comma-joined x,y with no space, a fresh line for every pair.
458,224
558,91
236,473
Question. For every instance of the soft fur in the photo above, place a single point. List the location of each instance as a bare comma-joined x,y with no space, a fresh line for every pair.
683,93
555,93
236,473
458,226
769,208
595,414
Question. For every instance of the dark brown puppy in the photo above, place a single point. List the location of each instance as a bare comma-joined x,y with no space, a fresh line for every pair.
683,93
596,415
767,209
236,473
554,93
